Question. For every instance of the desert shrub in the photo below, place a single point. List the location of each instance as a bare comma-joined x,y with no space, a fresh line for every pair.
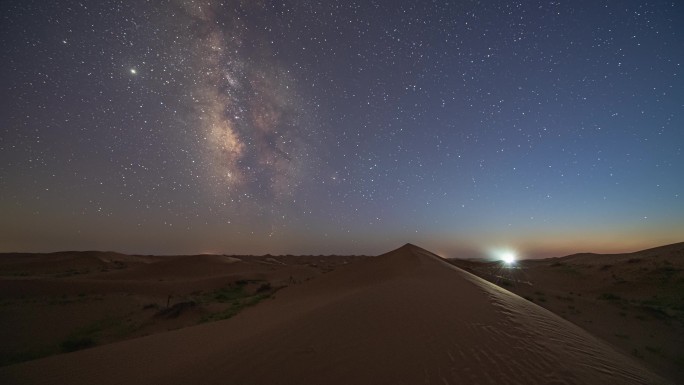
665,273
235,308
609,297
656,311
228,294
264,287
655,351
75,343
175,310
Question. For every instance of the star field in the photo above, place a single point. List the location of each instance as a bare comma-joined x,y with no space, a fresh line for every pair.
238,126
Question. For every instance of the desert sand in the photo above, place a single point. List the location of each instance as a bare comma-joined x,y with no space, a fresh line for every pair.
405,317
94,298
633,301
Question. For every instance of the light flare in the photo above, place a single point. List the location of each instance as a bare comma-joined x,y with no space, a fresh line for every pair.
509,258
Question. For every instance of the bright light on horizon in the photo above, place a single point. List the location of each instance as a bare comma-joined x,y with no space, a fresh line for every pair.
508,257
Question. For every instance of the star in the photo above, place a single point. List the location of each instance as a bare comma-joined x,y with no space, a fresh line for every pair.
234,116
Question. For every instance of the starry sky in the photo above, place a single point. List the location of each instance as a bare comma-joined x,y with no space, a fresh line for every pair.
347,127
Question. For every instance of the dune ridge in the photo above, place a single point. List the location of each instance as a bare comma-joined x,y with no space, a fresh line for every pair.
405,317
633,301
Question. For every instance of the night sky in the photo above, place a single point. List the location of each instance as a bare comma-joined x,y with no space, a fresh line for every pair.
321,127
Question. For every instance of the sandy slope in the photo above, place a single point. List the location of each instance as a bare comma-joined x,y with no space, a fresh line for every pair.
633,301
405,317
94,298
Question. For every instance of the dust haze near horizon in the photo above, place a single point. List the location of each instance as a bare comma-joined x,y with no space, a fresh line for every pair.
254,127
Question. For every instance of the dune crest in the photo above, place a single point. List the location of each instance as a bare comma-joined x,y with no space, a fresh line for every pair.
405,317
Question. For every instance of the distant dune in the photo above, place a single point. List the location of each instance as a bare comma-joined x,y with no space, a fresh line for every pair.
405,317
94,298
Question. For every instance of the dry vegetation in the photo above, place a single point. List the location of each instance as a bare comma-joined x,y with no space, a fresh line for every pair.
63,302
406,317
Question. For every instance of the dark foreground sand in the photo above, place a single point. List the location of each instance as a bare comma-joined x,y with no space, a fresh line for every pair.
405,317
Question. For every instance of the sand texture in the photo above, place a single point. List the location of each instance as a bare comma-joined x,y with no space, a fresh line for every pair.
405,317
633,301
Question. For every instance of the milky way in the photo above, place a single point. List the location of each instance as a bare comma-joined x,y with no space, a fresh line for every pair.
246,114
341,126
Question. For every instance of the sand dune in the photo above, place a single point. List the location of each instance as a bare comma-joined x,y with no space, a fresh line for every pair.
66,262
633,301
405,317
96,298
73,273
